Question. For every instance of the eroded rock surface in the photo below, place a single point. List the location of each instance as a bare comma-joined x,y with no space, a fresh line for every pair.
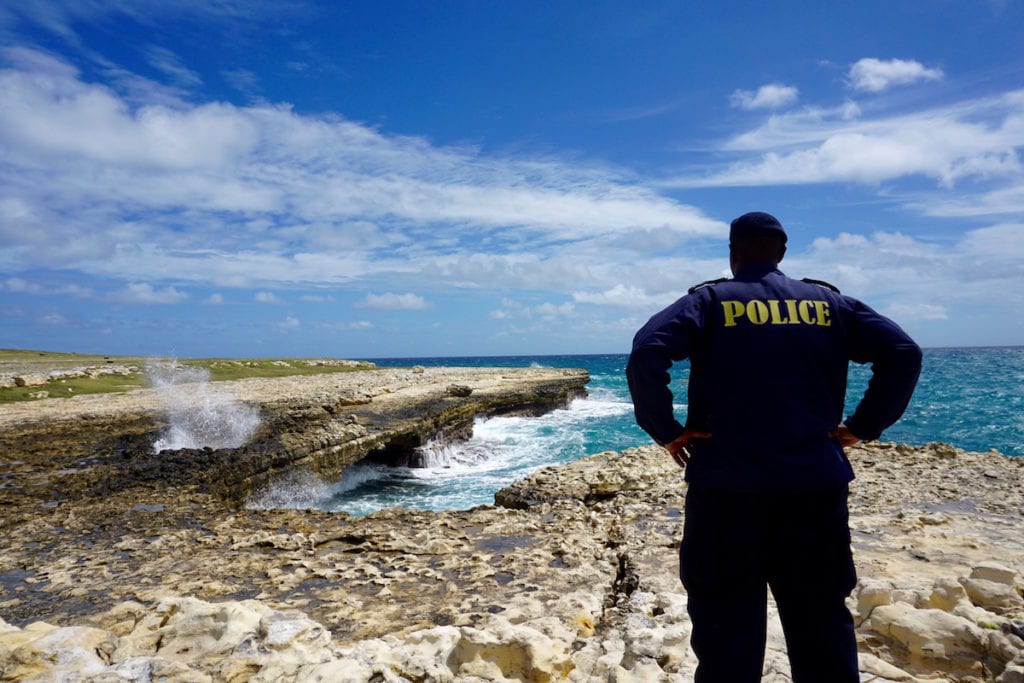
572,576
63,450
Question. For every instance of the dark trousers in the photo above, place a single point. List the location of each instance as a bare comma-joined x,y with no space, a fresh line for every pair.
734,546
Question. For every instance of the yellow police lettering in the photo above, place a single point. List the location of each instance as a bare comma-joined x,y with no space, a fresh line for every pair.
823,313
805,312
757,312
777,317
771,311
794,318
732,310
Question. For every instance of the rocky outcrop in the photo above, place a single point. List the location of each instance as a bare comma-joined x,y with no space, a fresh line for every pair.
572,576
96,445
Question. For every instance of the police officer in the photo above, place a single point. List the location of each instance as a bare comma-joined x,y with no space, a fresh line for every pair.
766,504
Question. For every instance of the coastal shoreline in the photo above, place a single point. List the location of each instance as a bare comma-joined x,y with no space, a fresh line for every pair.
571,576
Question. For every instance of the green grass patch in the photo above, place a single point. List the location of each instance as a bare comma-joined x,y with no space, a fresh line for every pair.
220,369
66,388
244,368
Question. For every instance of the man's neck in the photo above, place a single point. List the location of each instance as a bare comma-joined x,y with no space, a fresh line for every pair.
753,267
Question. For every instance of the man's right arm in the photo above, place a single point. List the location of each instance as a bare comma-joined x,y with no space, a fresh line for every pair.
666,338
896,365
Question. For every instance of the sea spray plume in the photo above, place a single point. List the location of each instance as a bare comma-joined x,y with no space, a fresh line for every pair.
199,415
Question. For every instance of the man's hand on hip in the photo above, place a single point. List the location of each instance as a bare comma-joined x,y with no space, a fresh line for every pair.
679,448
844,436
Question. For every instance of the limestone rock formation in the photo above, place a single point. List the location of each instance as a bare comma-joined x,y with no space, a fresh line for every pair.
571,576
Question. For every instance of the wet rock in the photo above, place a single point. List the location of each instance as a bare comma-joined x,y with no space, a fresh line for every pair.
458,390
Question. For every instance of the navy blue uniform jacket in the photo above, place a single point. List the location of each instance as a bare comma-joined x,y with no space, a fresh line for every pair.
768,364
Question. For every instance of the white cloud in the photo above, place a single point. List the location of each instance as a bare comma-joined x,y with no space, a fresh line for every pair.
94,182
145,293
22,286
215,298
267,298
290,323
916,311
914,280
1001,242
345,326
17,284
52,319
619,295
550,311
546,311
770,96
875,75
244,81
975,139
60,115
999,201
394,302
61,17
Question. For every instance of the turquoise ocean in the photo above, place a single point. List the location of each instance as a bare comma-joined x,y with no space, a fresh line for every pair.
972,398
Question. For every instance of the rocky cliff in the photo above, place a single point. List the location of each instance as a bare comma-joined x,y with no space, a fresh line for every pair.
59,450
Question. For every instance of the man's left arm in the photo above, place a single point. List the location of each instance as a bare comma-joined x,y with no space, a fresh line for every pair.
896,366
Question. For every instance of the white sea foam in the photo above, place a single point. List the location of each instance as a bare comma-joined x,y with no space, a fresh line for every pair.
303,490
439,454
199,415
464,473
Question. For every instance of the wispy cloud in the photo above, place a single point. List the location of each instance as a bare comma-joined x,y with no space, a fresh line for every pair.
267,298
244,81
770,96
1006,200
394,302
918,311
167,62
62,17
22,286
145,293
233,196
875,75
619,295
974,139
918,279
289,323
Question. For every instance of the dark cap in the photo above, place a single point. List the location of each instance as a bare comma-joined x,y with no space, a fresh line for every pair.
756,223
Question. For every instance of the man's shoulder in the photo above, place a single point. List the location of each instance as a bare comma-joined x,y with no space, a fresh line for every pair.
821,283
707,283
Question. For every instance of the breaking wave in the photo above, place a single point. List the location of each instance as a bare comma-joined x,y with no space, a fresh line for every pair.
199,415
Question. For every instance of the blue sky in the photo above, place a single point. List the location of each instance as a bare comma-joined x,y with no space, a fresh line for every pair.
369,179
